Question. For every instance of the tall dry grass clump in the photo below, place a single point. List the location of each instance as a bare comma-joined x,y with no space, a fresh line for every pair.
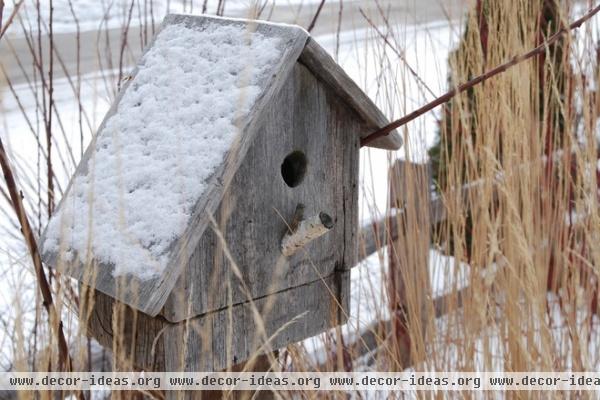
515,204
516,169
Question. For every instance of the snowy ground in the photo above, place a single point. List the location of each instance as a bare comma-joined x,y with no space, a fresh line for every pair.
368,298
425,47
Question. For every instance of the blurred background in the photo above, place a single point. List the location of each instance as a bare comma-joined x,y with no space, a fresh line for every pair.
477,251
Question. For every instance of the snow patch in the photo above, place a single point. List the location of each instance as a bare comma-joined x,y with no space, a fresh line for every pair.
151,161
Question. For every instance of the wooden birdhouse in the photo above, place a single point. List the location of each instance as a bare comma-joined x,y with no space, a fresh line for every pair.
216,208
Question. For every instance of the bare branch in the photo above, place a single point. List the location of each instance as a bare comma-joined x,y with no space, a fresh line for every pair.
124,44
316,17
4,27
17,203
477,80
399,54
338,30
1,13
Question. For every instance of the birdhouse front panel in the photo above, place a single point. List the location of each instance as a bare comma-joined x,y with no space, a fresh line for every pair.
141,196
300,171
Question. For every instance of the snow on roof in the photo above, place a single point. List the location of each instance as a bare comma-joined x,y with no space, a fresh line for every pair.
152,160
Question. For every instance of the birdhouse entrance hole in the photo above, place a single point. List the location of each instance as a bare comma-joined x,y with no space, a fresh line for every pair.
293,168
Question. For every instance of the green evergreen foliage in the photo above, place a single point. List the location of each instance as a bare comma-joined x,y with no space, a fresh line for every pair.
459,129
553,72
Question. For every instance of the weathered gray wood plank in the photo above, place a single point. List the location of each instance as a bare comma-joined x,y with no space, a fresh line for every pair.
348,189
214,341
322,65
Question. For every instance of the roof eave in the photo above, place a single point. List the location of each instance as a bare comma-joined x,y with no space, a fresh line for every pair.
322,65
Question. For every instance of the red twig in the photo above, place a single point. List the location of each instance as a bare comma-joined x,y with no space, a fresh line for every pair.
316,17
399,54
477,80
49,167
338,30
124,44
4,26
1,13
221,8
17,203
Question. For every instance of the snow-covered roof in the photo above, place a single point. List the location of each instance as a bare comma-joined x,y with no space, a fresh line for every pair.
159,160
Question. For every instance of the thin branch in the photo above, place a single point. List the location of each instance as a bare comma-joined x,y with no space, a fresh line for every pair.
338,30
48,118
33,88
4,26
386,130
316,17
124,45
221,8
17,203
1,13
399,54
22,108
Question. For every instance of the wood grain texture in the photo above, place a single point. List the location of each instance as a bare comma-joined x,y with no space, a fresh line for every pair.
323,66
306,231
217,340
258,206
149,296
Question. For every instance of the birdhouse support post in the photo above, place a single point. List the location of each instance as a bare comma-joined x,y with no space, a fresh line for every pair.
409,258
